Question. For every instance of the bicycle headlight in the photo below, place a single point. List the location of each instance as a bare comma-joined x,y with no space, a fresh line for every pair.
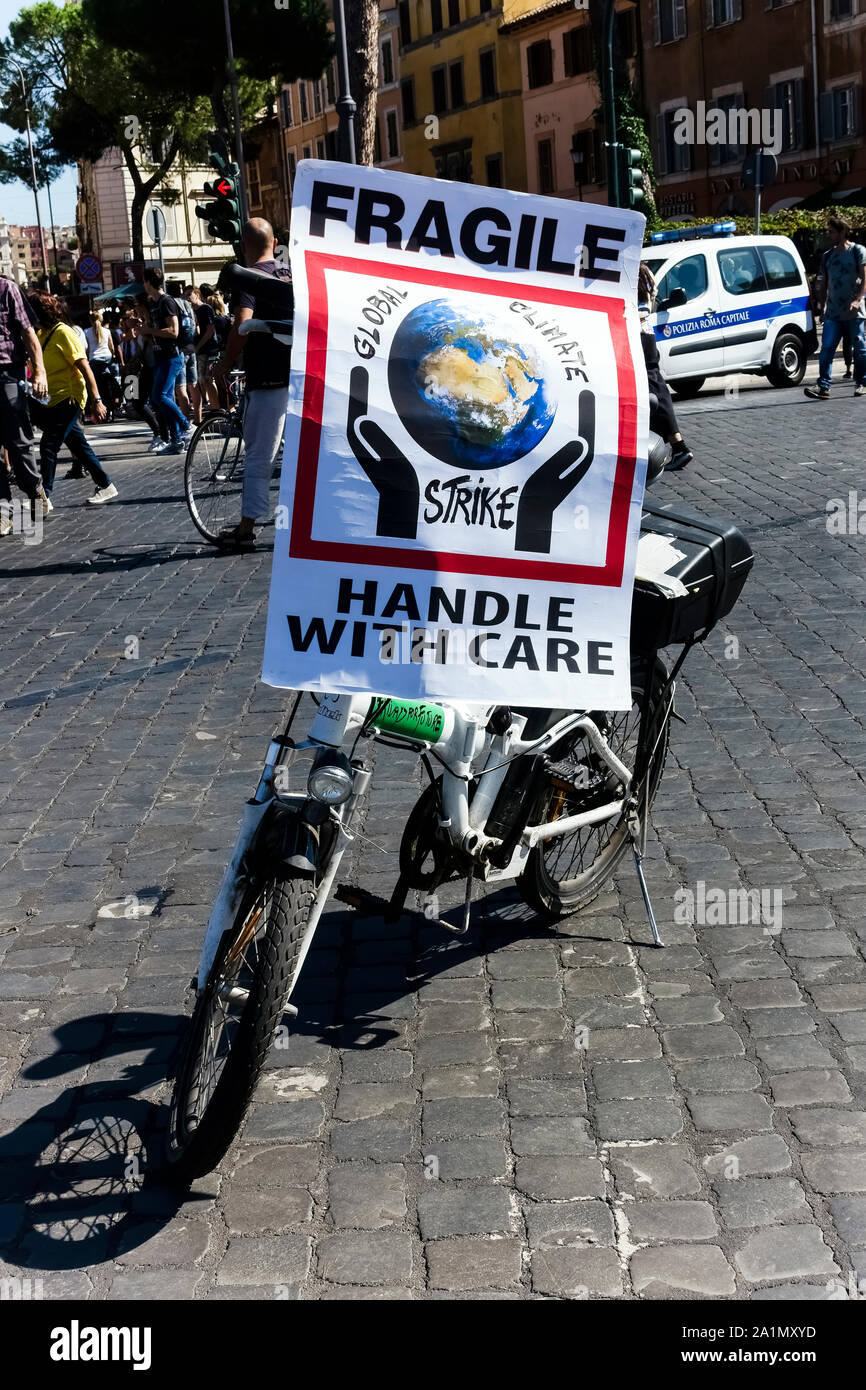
331,779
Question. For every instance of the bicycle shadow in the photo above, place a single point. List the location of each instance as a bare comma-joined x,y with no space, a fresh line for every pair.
81,1172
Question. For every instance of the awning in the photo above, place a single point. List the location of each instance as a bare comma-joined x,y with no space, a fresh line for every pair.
124,292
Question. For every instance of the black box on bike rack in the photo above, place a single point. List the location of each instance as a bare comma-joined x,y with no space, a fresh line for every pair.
717,562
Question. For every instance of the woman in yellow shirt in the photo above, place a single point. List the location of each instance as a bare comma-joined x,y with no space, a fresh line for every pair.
70,382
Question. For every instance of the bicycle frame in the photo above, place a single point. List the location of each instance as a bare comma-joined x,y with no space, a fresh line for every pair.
467,751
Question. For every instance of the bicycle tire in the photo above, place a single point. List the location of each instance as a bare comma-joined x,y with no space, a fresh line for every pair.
193,1149
213,474
550,896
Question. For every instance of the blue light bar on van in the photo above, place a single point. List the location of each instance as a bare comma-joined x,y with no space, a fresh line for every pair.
688,233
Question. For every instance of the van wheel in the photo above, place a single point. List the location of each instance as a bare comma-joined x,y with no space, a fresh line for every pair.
688,387
788,363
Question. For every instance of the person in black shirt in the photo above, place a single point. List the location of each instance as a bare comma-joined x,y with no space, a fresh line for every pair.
206,347
266,365
169,362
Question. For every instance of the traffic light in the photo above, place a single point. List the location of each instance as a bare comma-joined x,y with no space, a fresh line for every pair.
631,190
223,215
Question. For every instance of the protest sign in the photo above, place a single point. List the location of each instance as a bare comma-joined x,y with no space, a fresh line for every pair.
465,446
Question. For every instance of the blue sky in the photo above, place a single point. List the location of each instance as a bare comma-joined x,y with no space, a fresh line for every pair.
16,199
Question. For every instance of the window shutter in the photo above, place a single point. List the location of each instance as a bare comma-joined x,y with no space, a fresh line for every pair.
661,145
680,19
827,106
657,24
710,13
856,105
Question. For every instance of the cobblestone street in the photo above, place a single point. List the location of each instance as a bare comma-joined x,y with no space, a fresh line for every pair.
432,1131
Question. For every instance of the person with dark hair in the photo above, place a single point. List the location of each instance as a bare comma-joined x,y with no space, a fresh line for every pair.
168,365
840,290
70,382
18,343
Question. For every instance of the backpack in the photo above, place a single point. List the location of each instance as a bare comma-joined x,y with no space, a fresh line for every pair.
187,328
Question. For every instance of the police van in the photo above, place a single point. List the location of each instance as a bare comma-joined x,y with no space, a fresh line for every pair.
729,304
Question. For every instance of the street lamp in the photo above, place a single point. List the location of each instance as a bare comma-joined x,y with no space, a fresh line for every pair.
345,102
20,72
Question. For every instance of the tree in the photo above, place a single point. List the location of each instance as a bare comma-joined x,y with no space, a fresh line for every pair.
90,99
270,40
362,41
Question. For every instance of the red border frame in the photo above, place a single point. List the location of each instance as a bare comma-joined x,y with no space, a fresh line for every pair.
302,545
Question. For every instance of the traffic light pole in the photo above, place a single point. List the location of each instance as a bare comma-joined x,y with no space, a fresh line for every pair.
236,105
609,107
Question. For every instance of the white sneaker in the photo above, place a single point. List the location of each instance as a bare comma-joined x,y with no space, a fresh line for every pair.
47,504
103,494
157,445
6,527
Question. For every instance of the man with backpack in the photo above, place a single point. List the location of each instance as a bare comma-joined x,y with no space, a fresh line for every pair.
187,393
163,331
840,294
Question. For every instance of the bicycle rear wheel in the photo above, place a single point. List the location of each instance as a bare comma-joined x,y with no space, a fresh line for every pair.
564,874
214,474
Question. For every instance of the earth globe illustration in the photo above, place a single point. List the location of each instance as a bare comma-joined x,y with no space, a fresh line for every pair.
466,388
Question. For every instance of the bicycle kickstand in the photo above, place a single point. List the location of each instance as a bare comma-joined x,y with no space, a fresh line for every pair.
638,845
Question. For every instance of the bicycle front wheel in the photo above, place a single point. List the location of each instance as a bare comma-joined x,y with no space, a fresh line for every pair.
214,474
234,1022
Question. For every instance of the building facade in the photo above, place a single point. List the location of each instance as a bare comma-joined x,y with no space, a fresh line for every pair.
461,93
790,70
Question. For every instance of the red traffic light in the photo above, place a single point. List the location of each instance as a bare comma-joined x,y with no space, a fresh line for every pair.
225,188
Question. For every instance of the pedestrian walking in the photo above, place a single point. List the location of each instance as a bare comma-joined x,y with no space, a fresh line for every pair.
168,363
207,349
18,345
102,356
70,382
138,381
266,367
663,419
839,293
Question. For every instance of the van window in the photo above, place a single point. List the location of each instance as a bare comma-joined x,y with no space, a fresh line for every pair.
689,274
781,269
741,271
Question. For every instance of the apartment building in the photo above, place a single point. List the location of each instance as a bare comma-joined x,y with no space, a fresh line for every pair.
461,90
799,63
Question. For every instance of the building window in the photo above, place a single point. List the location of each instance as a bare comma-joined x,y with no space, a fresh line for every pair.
670,20
584,144
493,169
733,148
331,150
286,104
455,73
673,157
407,93
454,162
546,177
539,63
305,110
306,152
387,63
254,183
405,23
436,16
725,11
317,98
391,137
453,11
841,9
486,6
487,69
331,82
440,91
840,113
577,50
626,33
788,98
320,149
293,164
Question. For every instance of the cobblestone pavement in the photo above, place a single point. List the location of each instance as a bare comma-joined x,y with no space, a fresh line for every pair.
712,1140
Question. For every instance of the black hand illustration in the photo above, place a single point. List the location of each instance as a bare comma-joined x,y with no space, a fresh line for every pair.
390,472
554,480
